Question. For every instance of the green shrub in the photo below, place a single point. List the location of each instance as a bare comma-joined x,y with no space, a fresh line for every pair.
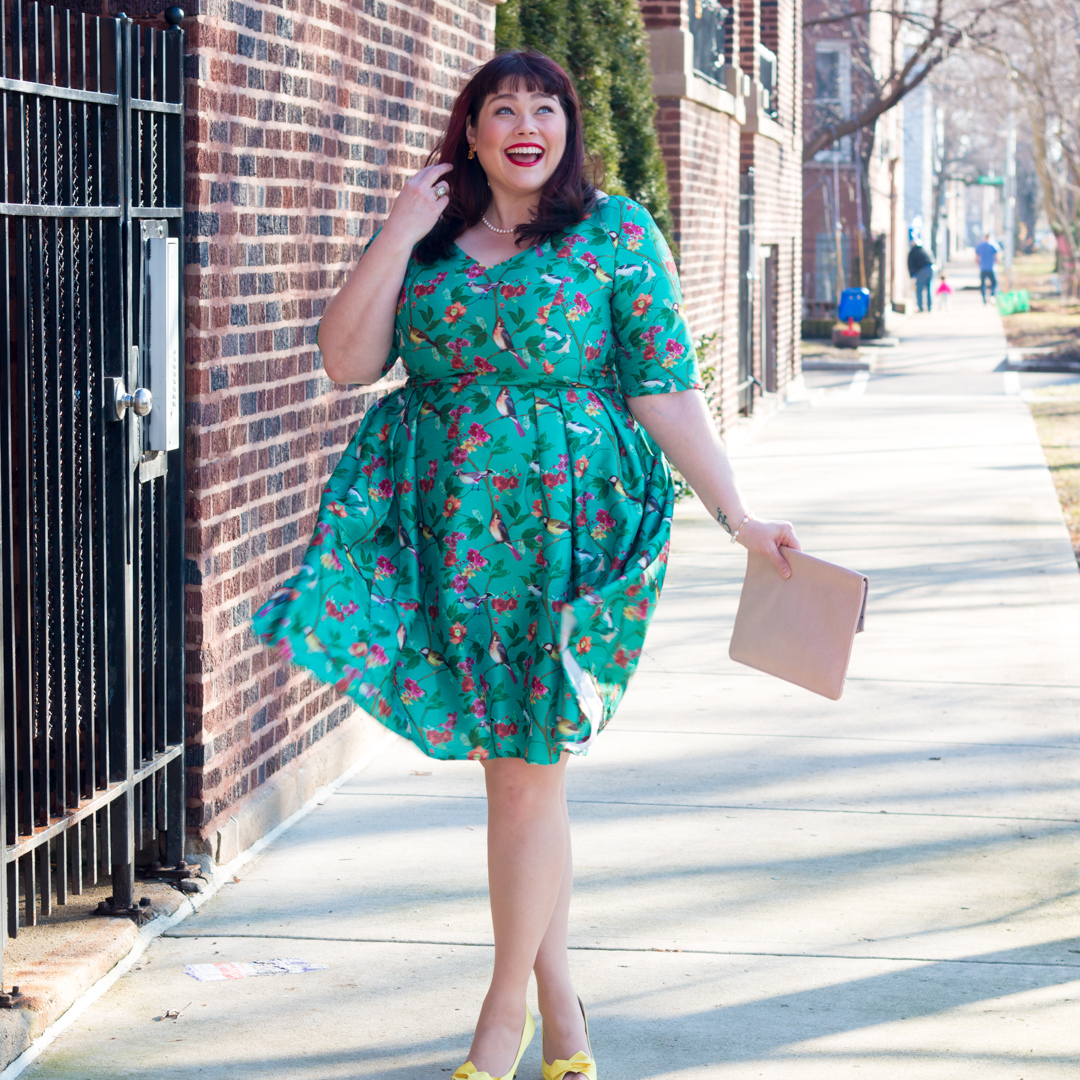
602,44
1013,303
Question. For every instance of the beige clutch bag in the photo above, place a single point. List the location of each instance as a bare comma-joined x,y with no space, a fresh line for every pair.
799,628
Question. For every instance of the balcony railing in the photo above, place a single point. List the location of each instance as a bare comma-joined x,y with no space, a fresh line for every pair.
707,21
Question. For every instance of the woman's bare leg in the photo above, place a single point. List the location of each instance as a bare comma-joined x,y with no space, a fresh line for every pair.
564,1026
527,849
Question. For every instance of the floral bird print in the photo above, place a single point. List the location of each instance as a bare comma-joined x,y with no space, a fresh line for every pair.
505,404
501,337
497,652
502,514
501,534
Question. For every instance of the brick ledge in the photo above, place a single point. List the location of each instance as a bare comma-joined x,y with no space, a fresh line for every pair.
289,789
61,960
672,63
759,122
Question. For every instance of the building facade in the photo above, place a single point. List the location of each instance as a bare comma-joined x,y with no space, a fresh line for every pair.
854,231
728,87
920,145
771,178
303,119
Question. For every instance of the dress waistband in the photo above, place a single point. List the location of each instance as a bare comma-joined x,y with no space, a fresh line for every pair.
549,385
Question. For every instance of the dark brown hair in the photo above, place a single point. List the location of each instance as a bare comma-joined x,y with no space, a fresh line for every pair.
567,196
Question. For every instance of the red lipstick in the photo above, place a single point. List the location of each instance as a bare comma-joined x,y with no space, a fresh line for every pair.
524,155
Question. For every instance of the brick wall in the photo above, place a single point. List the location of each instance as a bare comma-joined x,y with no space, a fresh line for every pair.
749,36
778,180
705,150
664,13
701,151
778,227
303,119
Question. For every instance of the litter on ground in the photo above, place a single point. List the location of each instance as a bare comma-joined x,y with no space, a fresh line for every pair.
247,969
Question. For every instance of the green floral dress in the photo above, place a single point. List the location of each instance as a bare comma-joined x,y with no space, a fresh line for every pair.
491,546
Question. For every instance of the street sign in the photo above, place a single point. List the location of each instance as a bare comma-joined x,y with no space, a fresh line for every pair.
991,181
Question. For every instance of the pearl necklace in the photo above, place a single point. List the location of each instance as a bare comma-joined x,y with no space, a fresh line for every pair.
505,232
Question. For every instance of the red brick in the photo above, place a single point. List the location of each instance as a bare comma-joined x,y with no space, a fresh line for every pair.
260,273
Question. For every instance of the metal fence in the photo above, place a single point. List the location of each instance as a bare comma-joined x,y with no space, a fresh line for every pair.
708,34
91,493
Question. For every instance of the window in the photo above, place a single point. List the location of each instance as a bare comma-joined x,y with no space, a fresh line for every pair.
832,94
707,19
825,276
767,67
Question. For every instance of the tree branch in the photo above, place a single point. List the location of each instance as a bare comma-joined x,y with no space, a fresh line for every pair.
941,38
845,15
915,18
876,108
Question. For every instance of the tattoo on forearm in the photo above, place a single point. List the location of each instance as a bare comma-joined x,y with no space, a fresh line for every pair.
722,518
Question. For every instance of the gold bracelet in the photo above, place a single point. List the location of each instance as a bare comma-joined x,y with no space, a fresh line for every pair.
735,534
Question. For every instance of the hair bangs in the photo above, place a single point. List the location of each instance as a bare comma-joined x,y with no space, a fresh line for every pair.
510,71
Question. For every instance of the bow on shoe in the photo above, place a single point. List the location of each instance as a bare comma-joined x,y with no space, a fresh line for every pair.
579,1063
468,1072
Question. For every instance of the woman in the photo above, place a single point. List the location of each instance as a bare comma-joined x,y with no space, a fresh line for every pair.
490,548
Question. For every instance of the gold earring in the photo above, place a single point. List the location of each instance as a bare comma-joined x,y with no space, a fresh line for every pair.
472,151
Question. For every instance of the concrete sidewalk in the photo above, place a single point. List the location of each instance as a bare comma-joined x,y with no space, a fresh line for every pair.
769,884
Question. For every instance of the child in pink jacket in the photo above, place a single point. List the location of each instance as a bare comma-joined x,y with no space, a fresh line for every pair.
944,292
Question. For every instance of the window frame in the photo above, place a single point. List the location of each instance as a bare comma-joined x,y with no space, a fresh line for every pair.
768,58
839,151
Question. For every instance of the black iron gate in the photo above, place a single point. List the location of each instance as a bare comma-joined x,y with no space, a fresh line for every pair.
91,491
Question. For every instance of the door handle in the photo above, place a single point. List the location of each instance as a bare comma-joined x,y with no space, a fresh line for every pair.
140,402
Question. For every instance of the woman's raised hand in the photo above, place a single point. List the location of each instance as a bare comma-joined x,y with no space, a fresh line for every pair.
418,205
767,538
356,334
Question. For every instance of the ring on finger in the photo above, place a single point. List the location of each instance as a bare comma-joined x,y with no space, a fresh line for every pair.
441,190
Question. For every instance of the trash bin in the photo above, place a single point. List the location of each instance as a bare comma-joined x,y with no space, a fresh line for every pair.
854,304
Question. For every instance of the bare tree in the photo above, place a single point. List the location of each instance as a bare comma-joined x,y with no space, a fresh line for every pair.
972,100
921,35
1039,48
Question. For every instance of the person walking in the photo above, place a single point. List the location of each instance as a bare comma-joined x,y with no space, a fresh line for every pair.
944,292
985,256
491,546
921,267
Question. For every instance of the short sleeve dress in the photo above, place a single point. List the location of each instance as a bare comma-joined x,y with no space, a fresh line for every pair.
490,548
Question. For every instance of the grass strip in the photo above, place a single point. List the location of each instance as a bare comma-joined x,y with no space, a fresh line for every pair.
1057,418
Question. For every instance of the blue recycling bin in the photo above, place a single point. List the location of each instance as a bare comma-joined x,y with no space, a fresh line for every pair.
854,304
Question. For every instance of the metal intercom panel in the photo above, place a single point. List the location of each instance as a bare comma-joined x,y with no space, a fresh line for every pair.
163,341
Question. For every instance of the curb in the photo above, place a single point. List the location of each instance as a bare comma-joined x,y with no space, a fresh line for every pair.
1048,359
188,906
835,365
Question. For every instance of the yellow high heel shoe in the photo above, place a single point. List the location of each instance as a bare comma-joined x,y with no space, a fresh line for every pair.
582,1062
468,1071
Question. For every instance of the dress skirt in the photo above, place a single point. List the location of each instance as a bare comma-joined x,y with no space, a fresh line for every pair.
491,546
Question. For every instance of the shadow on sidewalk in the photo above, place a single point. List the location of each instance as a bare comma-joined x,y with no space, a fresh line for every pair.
775,1028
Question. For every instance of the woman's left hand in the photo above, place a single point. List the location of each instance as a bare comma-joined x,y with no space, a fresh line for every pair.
767,538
